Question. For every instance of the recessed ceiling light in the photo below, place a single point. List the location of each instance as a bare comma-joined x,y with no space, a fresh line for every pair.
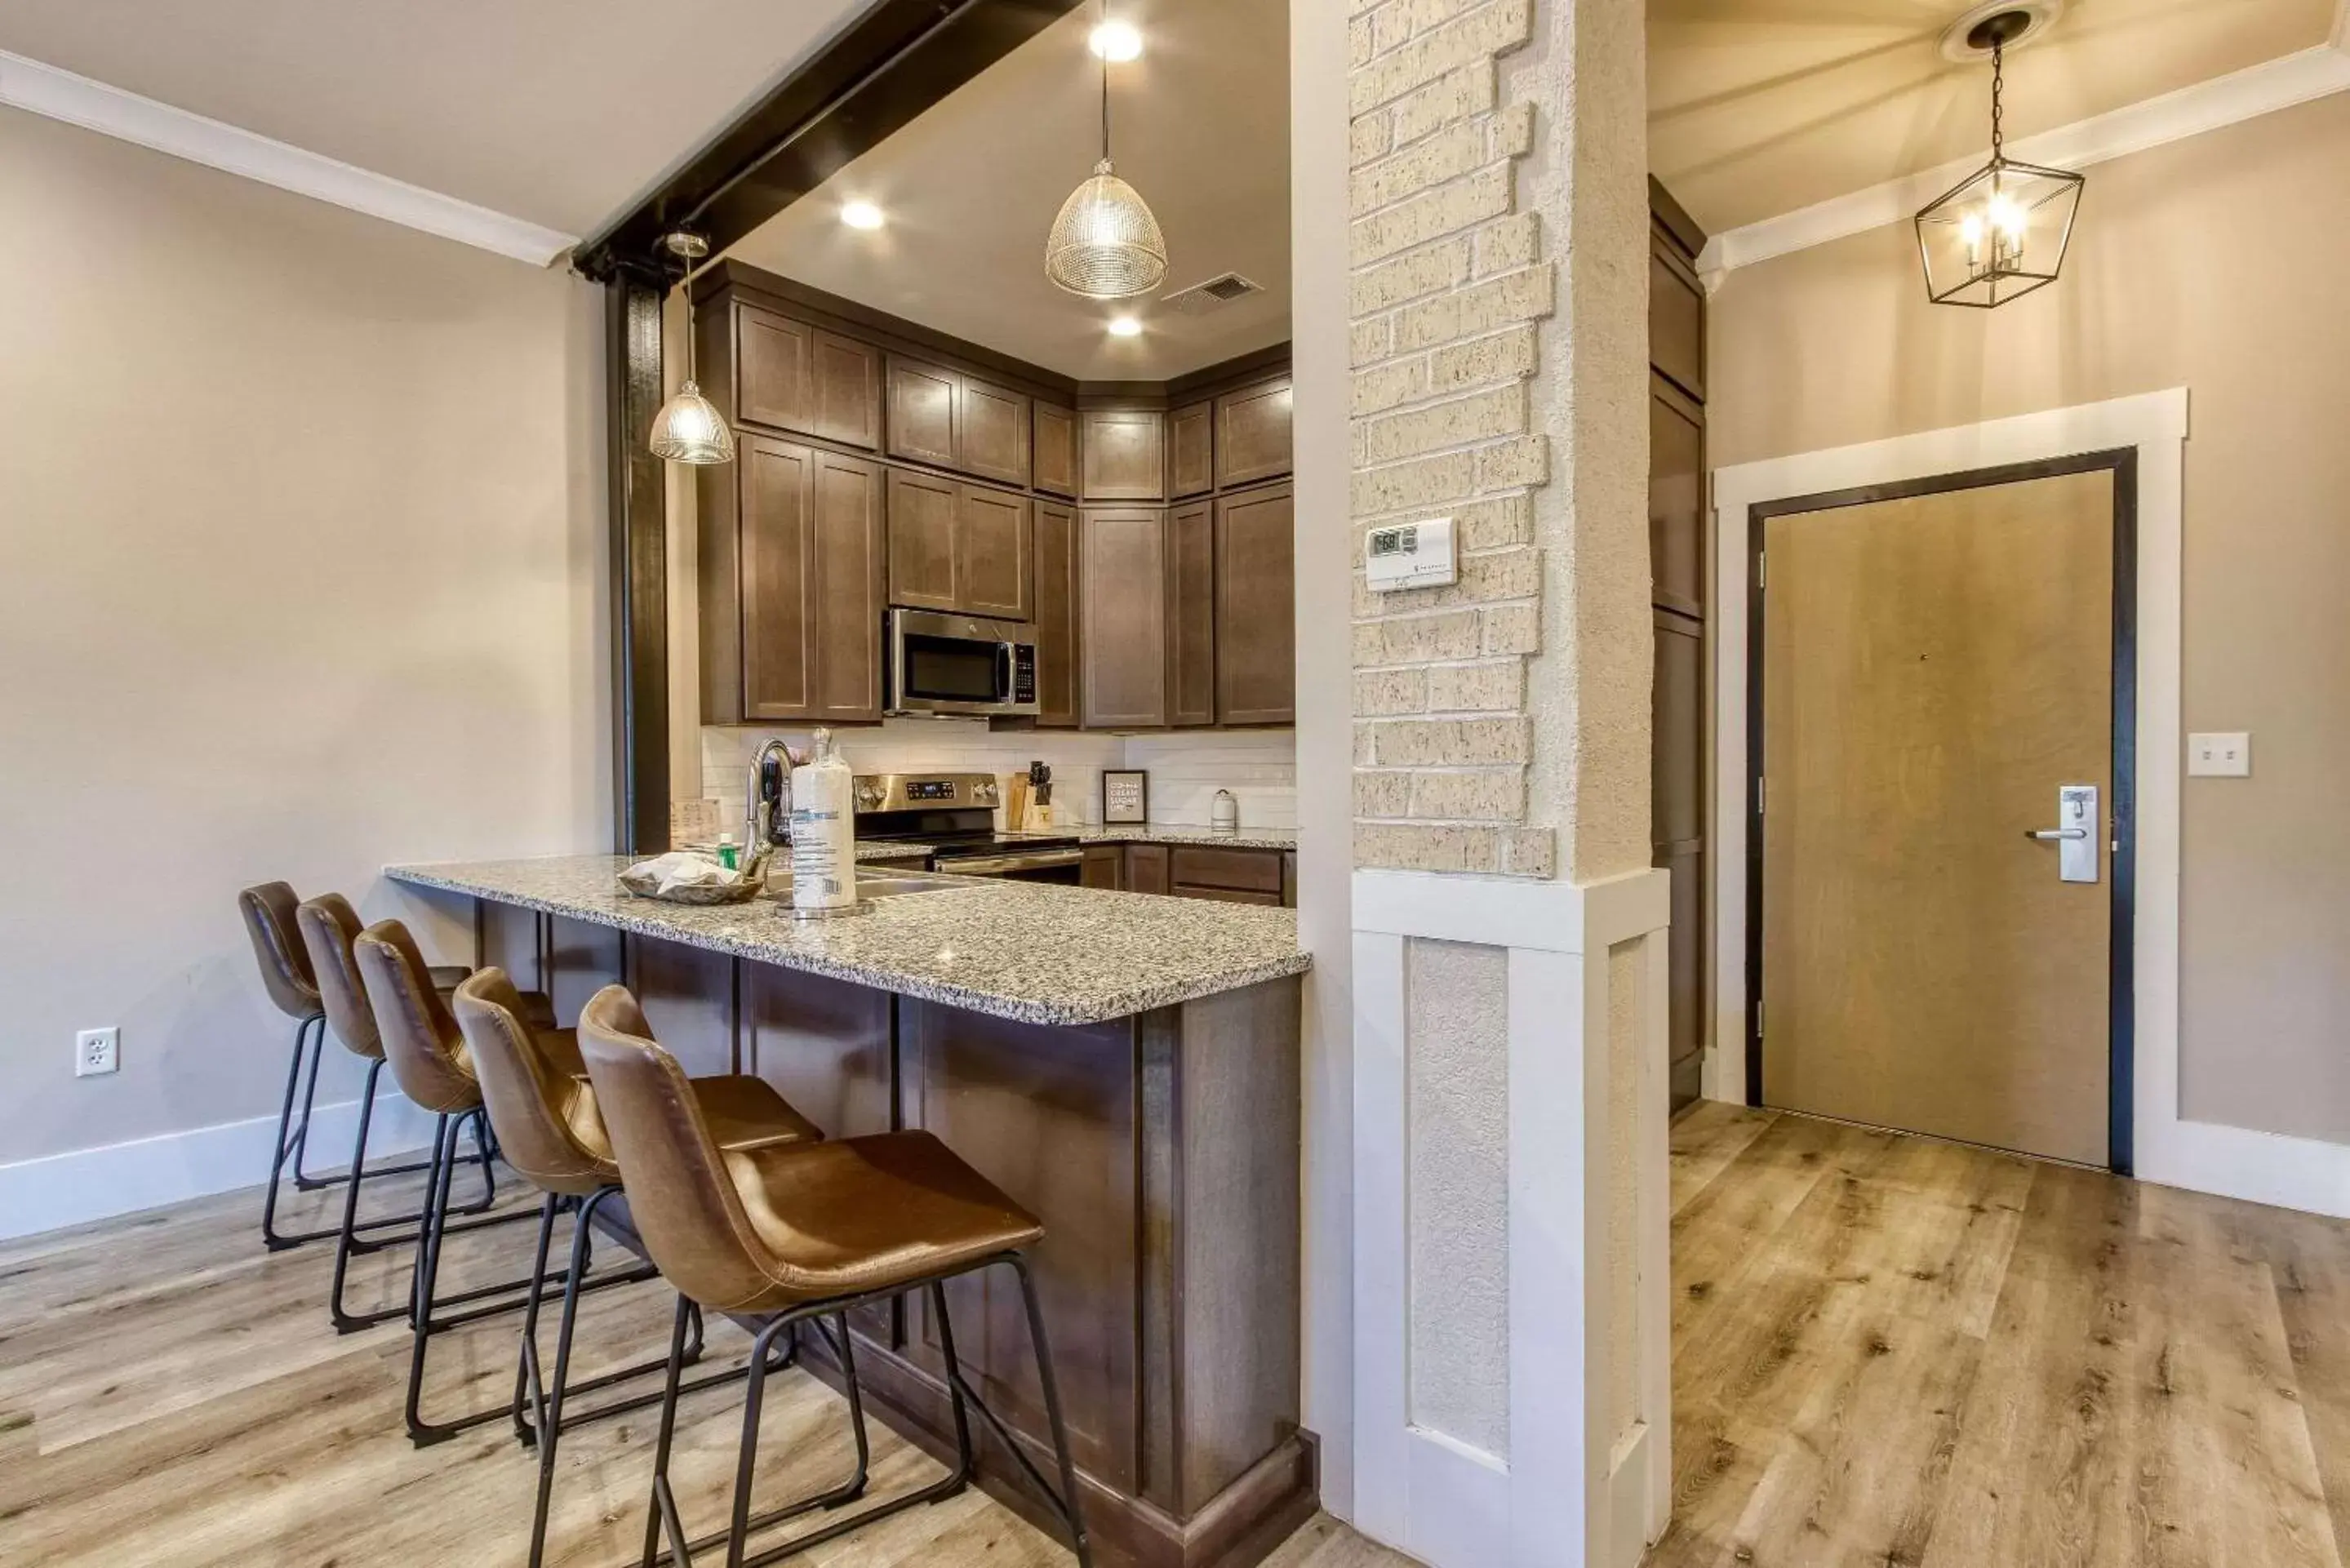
1125,327
1118,42
862,215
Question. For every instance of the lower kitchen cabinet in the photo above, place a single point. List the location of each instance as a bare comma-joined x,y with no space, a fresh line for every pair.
1103,867
791,553
1264,876
1146,868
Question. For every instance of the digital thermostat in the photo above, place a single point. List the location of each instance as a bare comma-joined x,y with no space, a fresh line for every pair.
1410,555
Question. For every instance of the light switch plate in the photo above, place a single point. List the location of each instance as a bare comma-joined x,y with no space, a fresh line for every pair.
2219,755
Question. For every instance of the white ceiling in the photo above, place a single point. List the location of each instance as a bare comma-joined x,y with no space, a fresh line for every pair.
558,112
1201,127
1758,107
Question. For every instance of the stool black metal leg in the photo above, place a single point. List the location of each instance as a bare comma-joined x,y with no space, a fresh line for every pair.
1071,1507
269,1236
347,1320
955,1384
662,1508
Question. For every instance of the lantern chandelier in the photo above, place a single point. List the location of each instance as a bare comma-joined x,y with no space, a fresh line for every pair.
2001,231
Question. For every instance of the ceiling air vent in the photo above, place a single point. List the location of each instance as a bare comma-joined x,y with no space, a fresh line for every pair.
1202,297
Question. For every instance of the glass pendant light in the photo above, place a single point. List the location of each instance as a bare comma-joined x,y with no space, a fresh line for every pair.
2001,231
689,427
1106,245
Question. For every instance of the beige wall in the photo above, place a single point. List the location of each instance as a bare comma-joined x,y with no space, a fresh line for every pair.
300,566
2215,263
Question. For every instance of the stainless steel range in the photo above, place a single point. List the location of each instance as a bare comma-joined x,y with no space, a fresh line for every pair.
953,814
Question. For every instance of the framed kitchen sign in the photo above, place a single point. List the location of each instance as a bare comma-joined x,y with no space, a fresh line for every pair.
1126,795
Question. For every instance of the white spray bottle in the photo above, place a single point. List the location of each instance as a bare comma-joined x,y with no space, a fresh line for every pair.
823,831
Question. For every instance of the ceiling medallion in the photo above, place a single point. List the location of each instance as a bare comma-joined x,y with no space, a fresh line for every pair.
2003,231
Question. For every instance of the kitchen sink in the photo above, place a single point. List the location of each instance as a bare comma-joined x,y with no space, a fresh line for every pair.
884,885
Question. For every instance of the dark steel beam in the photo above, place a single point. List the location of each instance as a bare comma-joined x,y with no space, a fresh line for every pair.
639,537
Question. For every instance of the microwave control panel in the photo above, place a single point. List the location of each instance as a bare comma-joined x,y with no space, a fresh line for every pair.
1024,673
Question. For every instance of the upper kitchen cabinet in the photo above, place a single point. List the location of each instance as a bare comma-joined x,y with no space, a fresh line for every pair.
1124,453
1255,610
790,555
1055,445
950,419
1058,593
966,549
1253,434
1192,614
792,376
1192,451
1122,617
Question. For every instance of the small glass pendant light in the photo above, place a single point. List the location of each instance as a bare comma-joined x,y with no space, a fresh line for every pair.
689,427
2003,231
1105,244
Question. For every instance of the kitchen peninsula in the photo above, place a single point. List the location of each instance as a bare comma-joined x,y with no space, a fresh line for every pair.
1128,1068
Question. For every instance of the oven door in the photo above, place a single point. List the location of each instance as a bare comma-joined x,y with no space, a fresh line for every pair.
958,664
1063,866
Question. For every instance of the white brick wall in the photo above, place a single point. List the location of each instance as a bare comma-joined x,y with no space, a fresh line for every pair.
1449,282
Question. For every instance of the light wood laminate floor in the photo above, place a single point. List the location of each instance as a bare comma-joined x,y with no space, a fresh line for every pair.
1888,1350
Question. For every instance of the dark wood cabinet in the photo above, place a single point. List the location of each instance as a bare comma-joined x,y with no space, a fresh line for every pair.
1124,453
963,548
1675,317
790,376
993,432
1055,445
1122,618
1256,613
1253,434
922,541
993,554
1057,592
791,585
1191,615
1104,867
1147,869
1192,449
925,412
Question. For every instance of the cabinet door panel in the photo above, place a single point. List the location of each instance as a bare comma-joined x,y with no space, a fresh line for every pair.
1056,616
1125,454
1675,318
994,546
774,487
922,541
1676,499
1227,895
994,433
1192,614
1104,867
1122,640
1056,444
1147,869
1243,870
1192,449
923,412
844,609
1253,434
773,355
846,386
1256,611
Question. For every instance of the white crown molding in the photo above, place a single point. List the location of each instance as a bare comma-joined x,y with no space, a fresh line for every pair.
59,95
2226,100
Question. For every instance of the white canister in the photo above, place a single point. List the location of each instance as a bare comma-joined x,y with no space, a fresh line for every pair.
824,830
1225,814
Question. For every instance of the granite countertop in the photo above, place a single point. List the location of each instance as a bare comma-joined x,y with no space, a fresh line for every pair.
1029,952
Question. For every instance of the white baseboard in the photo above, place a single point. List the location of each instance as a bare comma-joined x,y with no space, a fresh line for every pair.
85,1184
2284,1172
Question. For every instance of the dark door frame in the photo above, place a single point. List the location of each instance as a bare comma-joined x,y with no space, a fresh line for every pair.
2121,863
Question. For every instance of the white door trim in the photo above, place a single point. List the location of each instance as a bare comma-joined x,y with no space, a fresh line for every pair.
2299,1173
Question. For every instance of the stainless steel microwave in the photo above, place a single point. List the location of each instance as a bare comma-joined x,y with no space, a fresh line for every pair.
959,664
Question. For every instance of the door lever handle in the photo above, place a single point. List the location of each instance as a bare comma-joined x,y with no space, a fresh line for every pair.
2051,835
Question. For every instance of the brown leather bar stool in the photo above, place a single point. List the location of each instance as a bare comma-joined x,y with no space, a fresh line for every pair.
329,927
429,1061
549,1129
797,1231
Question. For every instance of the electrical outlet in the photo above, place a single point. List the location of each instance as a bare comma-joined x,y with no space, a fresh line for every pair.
2226,755
97,1051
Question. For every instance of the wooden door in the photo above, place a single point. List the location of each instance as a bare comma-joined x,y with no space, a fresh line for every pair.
1054,444
1253,439
922,541
993,550
1124,454
847,587
1934,666
1192,449
924,411
1056,616
1256,608
777,673
773,355
995,432
1192,614
1122,617
845,388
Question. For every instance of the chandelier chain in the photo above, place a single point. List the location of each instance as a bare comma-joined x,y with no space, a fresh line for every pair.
1998,85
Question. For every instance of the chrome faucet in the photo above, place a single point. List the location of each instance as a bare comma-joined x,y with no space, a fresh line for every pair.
768,797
